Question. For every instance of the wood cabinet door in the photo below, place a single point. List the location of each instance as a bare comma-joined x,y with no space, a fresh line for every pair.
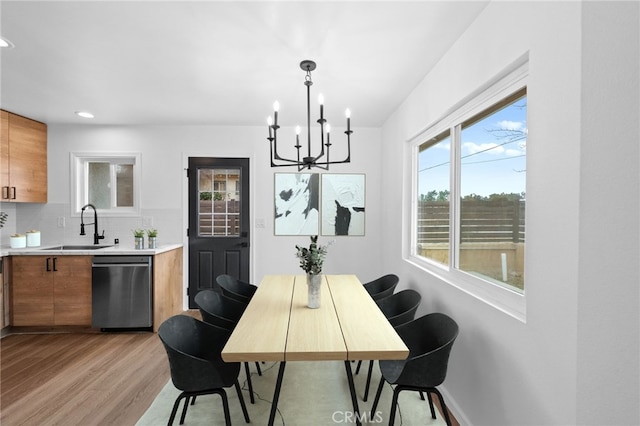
72,290
3,294
4,155
32,290
6,272
27,160
51,290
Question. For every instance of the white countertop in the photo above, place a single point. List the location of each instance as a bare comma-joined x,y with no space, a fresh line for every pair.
107,250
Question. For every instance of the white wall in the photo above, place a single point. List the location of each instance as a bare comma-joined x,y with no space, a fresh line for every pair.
503,371
164,152
609,276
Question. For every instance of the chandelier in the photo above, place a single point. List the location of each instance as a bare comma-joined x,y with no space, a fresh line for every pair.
319,157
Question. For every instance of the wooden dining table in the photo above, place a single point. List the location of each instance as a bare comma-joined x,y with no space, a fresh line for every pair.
278,326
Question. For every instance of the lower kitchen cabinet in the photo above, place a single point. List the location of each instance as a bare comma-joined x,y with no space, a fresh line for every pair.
5,307
51,290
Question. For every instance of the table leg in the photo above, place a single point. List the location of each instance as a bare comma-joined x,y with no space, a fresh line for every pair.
276,393
352,390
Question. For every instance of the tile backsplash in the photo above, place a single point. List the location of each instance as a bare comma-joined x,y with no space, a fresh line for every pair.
47,217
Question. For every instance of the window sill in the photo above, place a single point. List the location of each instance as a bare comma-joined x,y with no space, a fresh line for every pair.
112,213
510,302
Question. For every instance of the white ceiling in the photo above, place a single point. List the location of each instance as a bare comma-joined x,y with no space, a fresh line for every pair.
222,63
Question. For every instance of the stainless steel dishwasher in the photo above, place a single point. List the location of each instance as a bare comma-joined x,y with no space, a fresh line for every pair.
122,292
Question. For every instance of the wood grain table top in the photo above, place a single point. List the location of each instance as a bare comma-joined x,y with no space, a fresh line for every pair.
278,326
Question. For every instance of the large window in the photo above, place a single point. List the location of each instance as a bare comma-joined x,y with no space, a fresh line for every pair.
434,169
470,194
108,181
492,192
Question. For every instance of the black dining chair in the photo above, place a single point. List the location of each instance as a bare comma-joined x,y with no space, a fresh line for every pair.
194,351
429,339
399,308
236,289
382,287
222,311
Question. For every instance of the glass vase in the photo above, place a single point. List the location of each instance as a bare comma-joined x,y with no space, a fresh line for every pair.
313,290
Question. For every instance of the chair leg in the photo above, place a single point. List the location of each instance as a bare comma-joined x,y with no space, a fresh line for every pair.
433,410
422,395
377,398
248,373
366,387
242,404
445,410
186,404
394,403
258,368
175,408
184,408
358,366
225,407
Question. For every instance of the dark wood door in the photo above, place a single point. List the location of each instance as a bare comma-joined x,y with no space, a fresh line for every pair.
218,221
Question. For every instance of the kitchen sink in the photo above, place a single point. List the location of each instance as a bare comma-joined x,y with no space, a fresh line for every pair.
76,247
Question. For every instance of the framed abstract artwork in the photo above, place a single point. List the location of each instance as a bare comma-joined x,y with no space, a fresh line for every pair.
297,203
343,204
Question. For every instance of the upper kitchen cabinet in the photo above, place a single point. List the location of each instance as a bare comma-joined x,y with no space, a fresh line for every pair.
23,159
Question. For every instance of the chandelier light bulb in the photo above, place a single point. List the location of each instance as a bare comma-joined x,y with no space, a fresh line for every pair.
347,113
276,107
328,126
297,130
320,99
269,121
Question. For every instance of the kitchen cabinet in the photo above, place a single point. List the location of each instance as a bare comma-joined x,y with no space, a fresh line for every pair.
5,301
167,286
51,290
23,159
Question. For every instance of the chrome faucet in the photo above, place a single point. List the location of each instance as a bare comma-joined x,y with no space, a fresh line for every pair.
96,236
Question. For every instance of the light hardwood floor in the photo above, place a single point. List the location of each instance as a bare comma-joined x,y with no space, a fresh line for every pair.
81,378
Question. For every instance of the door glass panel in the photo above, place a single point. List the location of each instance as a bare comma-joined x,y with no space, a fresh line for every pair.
219,202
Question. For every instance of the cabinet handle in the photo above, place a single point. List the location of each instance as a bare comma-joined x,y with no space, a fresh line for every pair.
55,268
14,192
48,267
5,192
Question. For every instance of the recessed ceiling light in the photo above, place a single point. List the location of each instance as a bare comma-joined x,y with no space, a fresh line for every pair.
5,43
84,114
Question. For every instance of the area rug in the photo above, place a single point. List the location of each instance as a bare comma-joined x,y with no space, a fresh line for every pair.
313,393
